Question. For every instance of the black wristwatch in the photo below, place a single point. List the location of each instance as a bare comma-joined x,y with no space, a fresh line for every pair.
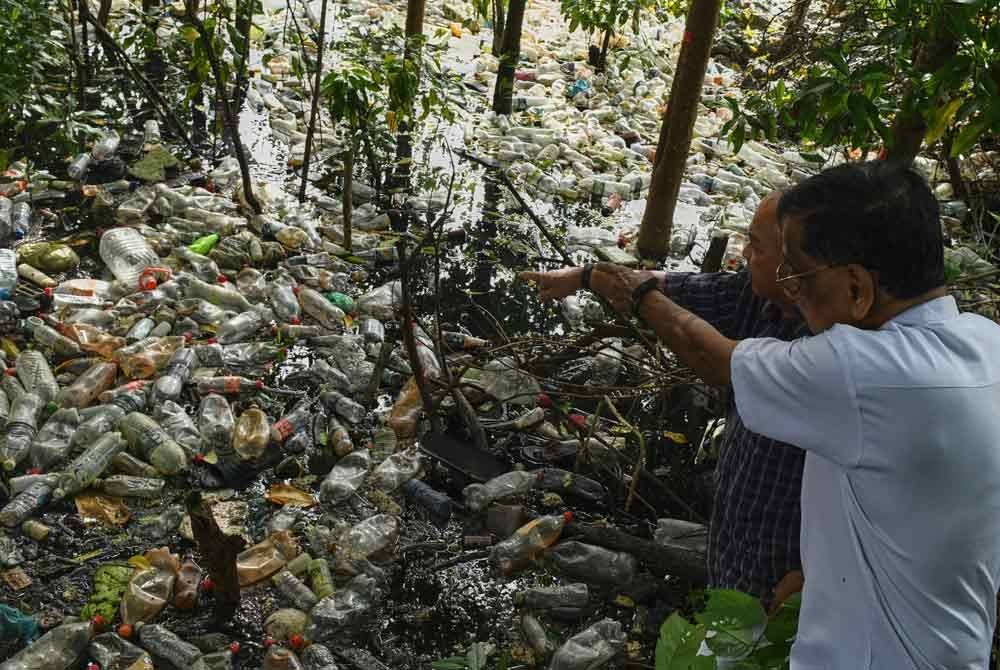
585,276
640,291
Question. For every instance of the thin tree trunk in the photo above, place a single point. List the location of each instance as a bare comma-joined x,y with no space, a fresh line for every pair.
414,25
602,60
677,128
498,27
510,55
104,13
218,552
796,20
348,196
85,52
313,112
231,121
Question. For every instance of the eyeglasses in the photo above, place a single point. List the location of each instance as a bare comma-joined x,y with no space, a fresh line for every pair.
791,284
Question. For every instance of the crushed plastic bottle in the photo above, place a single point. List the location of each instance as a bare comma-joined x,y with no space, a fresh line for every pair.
551,597
89,465
251,434
398,468
595,565
149,590
88,386
257,563
345,477
36,376
370,536
52,443
348,608
59,649
590,648
295,590
164,643
150,442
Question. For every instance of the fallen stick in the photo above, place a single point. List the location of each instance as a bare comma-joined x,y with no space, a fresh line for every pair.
659,559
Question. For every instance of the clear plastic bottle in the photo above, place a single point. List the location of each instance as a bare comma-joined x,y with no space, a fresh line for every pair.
280,658
59,649
550,597
297,419
370,536
348,608
593,647
96,421
26,504
535,635
36,376
164,643
338,439
318,657
187,584
265,558
397,469
479,496
20,219
251,434
6,207
52,443
345,477
88,466
127,253
22,426
178,425
48,337
8,272
222,296
596,565
140,330
328,374
110,651
281,293
88,386
343,406
524,546
295,590
320,577
203,267
132,487
127,464
243,326
93,339
216,423
106,146
319,308
570,483
150,442
151,132
154,355
170,384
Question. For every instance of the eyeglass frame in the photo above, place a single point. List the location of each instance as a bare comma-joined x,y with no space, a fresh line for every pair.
790,292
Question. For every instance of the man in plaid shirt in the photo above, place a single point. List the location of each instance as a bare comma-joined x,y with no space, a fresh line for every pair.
754,534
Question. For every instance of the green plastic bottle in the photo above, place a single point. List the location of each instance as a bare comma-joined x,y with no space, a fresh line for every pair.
205,244
344,302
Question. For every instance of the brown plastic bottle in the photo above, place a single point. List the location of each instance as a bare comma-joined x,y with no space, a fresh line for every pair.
94,340
524,546
265,558
251,434
153,357
186,586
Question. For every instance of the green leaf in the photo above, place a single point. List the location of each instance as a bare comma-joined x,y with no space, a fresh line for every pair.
679,643
837,61
858,110
450,663
784,624
940,119
732,616
968,136
189,34
773,657
475,658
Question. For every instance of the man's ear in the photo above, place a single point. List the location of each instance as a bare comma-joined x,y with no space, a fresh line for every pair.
863,289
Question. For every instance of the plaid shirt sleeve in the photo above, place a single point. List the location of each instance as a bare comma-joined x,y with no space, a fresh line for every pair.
717,297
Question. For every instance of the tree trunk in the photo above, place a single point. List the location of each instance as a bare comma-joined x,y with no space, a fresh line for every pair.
510,55
796,20
414,24
230,117
315,103
84,72
602,60
218,551
677,128
498,27
104,12
348,196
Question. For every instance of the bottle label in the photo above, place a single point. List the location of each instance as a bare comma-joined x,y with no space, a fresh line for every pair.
231,384
284,428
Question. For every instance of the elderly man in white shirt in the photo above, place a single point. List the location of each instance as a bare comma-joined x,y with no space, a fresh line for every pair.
896,400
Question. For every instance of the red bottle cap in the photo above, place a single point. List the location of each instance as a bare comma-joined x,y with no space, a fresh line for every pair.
568,516
207,585
296,289
268,642
234,648
259,384
10,372
48,291
297,641
222,279
295,321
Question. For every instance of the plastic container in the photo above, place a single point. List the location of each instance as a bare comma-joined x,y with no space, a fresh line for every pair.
126,254
150,442
479,496
52,443
524,546
22,426
8,272
89,465
345,477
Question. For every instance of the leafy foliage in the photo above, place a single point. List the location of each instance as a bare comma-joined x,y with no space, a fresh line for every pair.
604,15
729,626
936,61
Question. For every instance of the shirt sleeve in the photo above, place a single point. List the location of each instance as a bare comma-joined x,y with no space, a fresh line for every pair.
799,392
717,297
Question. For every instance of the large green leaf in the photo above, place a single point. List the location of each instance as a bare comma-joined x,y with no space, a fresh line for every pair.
680,640
732,616
968,136
939,120
783,625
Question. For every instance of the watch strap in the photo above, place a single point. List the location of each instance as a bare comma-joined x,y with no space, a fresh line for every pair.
640,291
585,276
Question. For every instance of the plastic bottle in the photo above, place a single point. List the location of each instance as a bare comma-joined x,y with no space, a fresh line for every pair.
59,649
345,609
228,385
297,419
370,536
88,386
319,308
36,376
26,504
281,293
140,330
295,590
187,584
397,469
243,326
524,546
22,426
565,482
151,132
221,296
320,577
132,487
318,657
251,434
479,496
48,337
93,339
590,648
535,635
280,658
126,253
127,464
343,406
148,592
215,423
52,443
551,597
8,272
112,651
178,425
170,384
106,146
437,504
20,219
163,643
338,439
203,267
593,564
345,477
88,466
153,356
265,558
150,442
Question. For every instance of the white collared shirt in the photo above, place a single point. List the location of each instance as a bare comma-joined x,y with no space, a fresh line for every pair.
901,491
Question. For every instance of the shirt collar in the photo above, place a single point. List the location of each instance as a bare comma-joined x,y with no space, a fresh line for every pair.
932,311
